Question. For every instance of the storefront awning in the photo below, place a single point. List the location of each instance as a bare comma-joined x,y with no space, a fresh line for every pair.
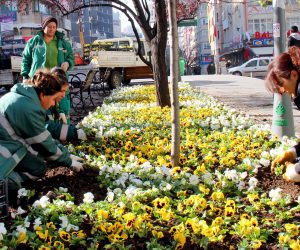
263,51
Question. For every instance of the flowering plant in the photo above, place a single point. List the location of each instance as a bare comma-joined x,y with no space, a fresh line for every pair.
212,196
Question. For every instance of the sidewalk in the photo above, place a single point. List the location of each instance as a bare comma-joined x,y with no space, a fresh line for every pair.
242,93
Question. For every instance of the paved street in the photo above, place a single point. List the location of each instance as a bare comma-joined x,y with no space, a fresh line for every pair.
243,93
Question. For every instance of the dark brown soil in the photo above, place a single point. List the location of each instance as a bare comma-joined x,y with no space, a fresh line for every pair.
77,183
268,181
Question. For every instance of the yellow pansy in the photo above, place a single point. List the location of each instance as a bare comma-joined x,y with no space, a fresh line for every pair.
157,234
80,234
292,229
180,238
294,244
42,235
64,235
102,214
217,196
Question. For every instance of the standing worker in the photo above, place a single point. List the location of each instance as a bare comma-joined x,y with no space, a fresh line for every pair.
25,142
48,49
284,77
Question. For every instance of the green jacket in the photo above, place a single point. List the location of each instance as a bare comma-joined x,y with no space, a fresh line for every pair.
34,58
22,130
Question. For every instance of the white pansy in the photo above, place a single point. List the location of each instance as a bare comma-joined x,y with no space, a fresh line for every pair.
265,162
247,161
147,183
117,191
243,175
207,178
241,185
37,222
131,191
42,202
110,196
231,174
3,230
252,183
265,154
23,192
194,180
88,197
20,230
20,211
136,182
63,190
275,194
26,222
64,221
168,186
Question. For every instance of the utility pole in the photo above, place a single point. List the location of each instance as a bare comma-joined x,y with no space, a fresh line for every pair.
283,120
217,55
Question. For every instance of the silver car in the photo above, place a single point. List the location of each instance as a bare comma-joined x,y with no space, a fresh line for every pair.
255,67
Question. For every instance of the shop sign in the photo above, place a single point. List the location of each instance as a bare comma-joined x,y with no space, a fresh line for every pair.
261,42
10,15
259,35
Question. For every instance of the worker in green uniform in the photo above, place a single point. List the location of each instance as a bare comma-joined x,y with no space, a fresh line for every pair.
26,145
48,49
59,130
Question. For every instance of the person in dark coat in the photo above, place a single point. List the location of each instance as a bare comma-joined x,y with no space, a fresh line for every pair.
294,38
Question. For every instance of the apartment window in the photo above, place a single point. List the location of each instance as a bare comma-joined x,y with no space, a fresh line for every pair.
260,25
205,46
204,21
204,34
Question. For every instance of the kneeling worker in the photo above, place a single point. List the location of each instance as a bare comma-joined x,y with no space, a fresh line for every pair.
26,145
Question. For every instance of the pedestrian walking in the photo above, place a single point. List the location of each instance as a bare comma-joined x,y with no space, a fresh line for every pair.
284,77
294,37
26,144
48,49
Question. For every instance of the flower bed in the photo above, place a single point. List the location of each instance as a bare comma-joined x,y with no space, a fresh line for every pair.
212,200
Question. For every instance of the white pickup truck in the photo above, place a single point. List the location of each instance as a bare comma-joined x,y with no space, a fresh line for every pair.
118,61
8,77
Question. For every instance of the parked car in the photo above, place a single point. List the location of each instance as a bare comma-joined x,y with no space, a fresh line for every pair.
255,67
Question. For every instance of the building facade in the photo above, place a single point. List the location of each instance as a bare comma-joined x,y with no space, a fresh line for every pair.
94,23
241,30
20,23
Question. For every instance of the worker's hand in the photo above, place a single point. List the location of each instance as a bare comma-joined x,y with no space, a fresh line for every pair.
65,66
291,174
81,135
287,156
63,118
77,163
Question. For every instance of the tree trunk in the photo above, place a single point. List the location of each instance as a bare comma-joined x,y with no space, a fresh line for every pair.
174,69
158,44
160,73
